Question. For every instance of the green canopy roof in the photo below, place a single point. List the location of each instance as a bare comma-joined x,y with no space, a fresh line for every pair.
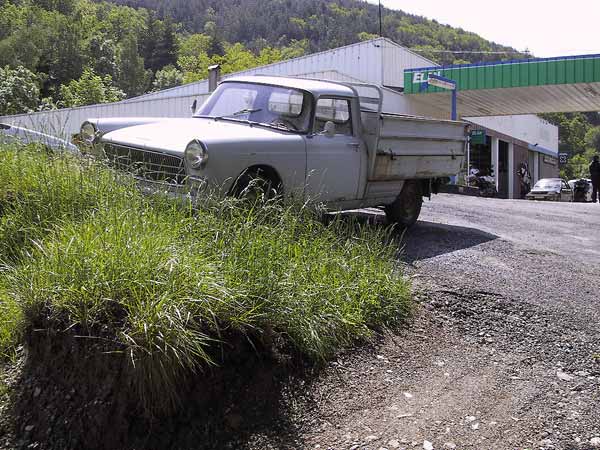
528,86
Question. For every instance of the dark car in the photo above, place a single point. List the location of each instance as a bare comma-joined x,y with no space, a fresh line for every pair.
553,189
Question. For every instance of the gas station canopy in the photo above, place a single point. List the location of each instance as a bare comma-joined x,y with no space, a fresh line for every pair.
527,86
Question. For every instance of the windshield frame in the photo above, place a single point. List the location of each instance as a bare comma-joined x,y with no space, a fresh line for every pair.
308,104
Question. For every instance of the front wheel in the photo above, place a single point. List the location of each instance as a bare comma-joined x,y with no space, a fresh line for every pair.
406,208
255,185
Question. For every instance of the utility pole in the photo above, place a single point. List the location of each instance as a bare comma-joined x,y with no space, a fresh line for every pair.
380,23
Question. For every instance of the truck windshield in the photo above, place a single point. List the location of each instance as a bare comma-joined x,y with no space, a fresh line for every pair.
274,106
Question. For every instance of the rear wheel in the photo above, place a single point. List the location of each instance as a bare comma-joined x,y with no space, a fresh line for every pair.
406,208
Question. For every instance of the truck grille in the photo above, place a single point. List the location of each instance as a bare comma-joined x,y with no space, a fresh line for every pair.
147,165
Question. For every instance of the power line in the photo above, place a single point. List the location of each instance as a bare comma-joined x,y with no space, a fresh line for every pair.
479,52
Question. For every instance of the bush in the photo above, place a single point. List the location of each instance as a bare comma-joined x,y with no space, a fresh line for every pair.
166,284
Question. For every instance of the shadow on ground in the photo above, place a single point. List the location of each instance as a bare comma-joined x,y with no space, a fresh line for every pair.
428,239
425,239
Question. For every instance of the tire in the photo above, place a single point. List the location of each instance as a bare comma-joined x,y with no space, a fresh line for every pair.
405,210
255,186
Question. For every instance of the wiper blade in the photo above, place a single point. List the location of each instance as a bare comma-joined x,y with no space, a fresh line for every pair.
242,111
278,126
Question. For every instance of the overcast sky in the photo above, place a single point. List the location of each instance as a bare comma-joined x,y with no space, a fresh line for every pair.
545,27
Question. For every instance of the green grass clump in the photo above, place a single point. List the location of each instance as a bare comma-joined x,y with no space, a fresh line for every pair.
11,324
38,191
167,284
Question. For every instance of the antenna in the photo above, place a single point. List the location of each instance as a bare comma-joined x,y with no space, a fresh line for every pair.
380,24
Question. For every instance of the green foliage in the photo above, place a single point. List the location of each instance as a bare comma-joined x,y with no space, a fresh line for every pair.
19,90
578,138
133,78
236,57
166,78
90,89
592,139
168,285
58,39
325,23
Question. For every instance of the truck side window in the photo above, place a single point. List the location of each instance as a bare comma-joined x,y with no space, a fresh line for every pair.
334,110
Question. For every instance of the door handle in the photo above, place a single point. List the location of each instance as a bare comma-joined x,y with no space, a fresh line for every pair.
354,145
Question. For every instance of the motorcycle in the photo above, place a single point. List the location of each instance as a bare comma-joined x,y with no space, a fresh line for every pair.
485,184
581,188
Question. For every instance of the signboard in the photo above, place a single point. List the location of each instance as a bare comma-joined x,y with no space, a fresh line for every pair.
549,160
478,137
441,82
563,158
423,77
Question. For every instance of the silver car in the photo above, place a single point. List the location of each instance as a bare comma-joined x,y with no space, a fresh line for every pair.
553,189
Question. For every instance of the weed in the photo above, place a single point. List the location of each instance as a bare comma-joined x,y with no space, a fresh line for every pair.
164,282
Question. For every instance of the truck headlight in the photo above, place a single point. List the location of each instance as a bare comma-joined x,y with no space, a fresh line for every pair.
88,132
196,154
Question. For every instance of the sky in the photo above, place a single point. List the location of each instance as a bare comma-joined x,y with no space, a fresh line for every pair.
547,28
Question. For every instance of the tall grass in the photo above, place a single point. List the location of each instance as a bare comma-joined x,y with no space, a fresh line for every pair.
166,283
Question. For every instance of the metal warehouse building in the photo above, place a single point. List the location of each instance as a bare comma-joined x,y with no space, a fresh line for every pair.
508,140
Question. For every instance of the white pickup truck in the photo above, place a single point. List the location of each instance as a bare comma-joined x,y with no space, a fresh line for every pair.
328,142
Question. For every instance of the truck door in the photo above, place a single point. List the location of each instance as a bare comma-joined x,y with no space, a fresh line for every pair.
334,153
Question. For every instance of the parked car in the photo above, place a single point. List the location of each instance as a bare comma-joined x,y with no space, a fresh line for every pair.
582,189
316,139
555,189
11,134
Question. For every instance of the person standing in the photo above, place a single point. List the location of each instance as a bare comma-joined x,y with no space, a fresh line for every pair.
525,178
595,176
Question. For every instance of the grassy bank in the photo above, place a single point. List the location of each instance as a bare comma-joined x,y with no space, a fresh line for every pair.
164,284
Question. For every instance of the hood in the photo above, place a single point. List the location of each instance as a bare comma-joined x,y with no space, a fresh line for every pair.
547,190
174,135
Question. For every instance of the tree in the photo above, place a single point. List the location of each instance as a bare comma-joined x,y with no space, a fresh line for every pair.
133,78
19,90
103,56
592,139
166,78
194,44
90,89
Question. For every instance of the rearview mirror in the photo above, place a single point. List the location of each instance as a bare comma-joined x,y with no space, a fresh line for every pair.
194,105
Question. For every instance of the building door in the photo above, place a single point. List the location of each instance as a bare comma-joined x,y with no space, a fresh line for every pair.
503,169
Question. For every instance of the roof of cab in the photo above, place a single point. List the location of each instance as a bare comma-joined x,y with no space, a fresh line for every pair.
317,87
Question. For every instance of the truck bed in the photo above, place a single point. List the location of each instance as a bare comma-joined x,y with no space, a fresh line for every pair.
403,147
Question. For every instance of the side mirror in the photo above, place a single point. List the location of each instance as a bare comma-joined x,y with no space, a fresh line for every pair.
329,129
194,105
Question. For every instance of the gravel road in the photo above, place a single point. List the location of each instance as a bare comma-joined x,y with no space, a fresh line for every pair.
504,351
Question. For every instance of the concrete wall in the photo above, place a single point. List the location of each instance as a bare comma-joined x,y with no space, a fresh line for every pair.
548,167
528,128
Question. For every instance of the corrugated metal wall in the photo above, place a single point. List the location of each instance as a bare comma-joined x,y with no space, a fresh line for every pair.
395,60
66,122
379,61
